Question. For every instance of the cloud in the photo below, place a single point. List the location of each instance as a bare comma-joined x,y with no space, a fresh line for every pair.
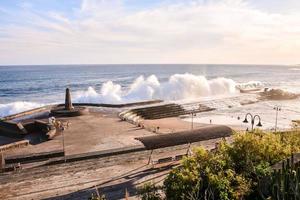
106,31
96,5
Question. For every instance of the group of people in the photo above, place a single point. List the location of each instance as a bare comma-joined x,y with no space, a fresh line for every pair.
58,124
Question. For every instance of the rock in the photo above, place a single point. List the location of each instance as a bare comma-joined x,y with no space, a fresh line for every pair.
277,94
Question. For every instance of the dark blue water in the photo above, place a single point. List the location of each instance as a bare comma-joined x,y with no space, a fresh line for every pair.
46,83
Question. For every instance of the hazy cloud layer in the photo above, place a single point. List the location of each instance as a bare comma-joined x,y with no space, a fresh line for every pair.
112,31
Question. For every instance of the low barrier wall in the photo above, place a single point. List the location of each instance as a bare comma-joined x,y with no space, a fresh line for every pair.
33,157
18,144
44,108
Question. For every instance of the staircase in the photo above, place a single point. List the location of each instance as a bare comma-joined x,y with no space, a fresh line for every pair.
161,111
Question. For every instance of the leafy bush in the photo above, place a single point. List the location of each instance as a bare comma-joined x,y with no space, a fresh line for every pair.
233,171
149,192
96,197
205,176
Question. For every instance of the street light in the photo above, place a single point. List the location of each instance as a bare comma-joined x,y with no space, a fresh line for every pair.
63,143
59,127
277,108
253,120
193,114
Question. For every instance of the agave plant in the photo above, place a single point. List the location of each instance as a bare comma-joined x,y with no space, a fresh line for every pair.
285,183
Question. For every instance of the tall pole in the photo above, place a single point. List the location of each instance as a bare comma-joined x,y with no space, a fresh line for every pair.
192,125
192,120
277,108
276,120
63,141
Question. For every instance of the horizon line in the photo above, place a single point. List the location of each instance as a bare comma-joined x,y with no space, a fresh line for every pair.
25,65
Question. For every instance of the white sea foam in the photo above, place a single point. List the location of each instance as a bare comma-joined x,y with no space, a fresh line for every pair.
16,107
250,85
178,87
294,69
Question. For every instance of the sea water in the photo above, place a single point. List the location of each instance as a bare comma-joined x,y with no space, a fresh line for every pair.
27,87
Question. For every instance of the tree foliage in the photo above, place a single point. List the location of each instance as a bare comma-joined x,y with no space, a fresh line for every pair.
149,191
234,170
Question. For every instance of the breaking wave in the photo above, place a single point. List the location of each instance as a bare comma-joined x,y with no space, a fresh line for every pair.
16,107
178,87
250,85
294,69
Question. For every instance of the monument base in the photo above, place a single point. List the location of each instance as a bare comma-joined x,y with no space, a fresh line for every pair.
62,112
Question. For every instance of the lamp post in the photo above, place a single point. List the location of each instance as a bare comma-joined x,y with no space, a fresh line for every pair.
63,143
277,108
253,120
193,114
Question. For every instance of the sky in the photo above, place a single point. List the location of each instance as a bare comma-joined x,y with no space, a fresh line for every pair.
149,32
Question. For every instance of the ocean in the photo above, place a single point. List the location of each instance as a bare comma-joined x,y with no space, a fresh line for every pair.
27,87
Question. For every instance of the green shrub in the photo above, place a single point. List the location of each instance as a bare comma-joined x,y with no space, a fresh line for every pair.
233,171
96,197
205,176
149,192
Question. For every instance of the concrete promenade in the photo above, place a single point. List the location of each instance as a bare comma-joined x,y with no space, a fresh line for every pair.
99,131
77,180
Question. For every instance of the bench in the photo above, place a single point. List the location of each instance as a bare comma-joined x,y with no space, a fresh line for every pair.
164,160
179,157
10,127
43,126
